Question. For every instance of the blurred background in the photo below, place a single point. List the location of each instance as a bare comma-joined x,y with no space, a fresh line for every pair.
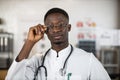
95,28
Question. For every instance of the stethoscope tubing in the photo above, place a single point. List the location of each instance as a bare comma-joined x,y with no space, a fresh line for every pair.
42,65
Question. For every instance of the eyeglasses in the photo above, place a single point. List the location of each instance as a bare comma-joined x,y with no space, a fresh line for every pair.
60,26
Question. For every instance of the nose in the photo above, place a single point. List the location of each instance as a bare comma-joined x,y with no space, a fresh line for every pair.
56,29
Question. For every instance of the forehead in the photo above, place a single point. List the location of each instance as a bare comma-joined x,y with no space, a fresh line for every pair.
56,17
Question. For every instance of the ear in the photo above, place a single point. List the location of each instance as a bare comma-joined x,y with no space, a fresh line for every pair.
69,27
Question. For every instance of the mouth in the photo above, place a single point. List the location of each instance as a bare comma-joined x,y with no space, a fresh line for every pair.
57,37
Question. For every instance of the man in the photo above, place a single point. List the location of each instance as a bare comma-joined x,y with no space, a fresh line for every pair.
61,61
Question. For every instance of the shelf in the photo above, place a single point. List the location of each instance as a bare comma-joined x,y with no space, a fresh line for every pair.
6,50
110,65
110,59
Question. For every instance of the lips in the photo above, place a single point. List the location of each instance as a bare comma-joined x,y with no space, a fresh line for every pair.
57,36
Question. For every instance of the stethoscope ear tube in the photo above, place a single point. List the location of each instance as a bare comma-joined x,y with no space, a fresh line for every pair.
42,66
38,70
68,56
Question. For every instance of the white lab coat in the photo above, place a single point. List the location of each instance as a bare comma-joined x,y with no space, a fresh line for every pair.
80,66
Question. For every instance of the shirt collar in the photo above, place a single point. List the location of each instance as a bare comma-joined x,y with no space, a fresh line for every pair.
63,52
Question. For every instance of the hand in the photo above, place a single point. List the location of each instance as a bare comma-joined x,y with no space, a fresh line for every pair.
36,33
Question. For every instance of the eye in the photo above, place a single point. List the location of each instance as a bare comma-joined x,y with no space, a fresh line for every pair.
61,25
49,26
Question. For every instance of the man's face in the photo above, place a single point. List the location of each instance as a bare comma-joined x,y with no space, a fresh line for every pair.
57,28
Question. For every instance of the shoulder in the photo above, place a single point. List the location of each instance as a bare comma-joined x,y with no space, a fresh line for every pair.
82,54
79,51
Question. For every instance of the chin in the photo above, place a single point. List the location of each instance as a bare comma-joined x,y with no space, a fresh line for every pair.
58,42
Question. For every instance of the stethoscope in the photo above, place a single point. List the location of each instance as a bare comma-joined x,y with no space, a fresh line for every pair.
42,64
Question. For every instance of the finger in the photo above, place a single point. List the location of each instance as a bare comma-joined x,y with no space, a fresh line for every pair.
45,28
32,30
42,28
35,30
39,28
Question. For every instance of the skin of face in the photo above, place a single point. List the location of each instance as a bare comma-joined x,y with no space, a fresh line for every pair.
58,36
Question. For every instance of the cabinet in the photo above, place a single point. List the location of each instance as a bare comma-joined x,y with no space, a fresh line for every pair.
3,74
6,50
110,60
88,45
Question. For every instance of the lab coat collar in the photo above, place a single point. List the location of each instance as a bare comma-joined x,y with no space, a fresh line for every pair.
63,52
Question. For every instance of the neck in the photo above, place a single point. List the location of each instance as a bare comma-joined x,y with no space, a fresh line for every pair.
60,46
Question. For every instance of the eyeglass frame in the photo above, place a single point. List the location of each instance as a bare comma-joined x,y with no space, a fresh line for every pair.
60,27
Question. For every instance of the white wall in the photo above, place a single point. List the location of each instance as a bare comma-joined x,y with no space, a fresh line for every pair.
19,15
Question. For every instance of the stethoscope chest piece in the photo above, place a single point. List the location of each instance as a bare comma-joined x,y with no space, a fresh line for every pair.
62,72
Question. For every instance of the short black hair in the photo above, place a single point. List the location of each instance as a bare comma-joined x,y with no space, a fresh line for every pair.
56,10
